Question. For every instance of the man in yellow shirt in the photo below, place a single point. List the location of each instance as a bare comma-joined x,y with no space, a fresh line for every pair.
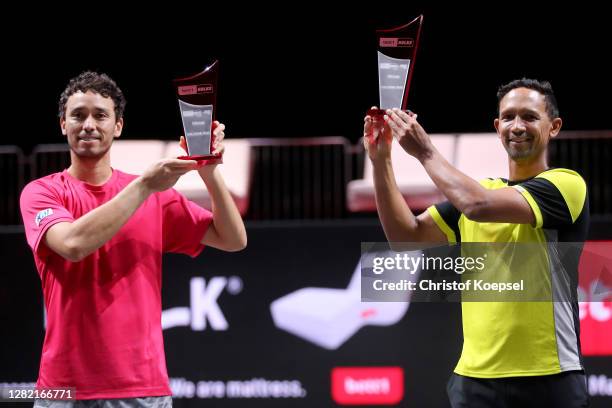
514,353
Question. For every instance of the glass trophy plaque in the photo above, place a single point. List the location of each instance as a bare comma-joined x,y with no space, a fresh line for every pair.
197,97
397,48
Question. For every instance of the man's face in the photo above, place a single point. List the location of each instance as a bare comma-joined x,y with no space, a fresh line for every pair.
523,125
90,124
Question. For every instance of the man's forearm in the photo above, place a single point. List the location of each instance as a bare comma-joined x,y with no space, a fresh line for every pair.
226,217
398,221
82,237
465,193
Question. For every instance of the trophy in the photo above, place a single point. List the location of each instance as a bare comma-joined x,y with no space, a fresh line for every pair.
197,96
397,49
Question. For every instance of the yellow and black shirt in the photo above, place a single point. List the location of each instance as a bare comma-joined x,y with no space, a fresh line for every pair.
511,339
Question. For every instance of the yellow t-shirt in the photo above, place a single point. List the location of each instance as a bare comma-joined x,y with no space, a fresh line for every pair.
511,339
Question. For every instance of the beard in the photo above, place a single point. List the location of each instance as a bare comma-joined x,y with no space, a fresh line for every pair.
520,151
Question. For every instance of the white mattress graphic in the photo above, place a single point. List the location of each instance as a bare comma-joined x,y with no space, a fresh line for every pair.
329,317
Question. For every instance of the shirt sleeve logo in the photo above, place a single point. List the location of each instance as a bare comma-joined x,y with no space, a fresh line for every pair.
42,215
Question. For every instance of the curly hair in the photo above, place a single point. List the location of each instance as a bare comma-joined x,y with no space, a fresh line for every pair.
543,87
99,83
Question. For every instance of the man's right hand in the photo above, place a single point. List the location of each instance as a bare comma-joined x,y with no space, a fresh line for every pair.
377,138
165,173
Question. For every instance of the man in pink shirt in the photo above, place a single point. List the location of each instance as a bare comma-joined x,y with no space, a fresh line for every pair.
98,235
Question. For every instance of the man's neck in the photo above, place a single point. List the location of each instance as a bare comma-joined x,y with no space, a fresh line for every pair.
94,171
523,170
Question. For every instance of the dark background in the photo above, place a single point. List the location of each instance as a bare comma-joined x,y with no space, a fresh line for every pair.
300,70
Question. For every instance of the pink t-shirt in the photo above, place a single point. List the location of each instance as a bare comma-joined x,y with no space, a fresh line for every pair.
104,333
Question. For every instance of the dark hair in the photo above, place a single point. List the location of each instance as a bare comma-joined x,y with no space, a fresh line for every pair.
98,83
542,87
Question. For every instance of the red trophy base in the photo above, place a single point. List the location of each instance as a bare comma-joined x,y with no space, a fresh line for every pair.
376,113
203,160
379,113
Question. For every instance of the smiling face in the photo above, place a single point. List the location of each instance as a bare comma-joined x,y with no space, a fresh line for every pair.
524,125
90,124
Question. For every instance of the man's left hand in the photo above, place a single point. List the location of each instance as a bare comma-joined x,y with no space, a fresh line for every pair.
208,166
409,133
